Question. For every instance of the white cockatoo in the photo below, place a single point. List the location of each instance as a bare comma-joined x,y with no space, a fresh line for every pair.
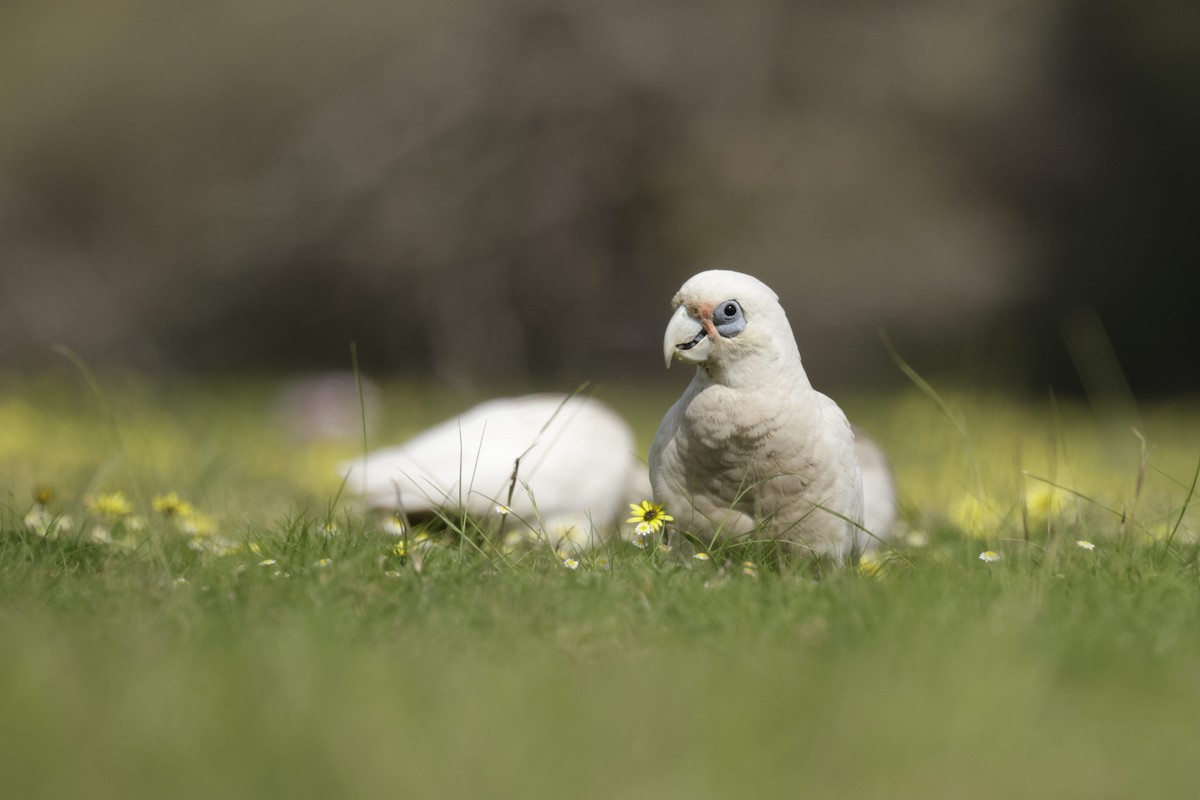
577,471
751,447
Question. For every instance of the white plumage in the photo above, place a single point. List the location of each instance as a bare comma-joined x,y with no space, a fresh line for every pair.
751,447
577,468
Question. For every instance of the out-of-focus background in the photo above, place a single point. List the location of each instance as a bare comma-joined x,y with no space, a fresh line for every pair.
478,191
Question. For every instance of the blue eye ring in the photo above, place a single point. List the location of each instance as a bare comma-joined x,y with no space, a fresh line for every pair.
728,318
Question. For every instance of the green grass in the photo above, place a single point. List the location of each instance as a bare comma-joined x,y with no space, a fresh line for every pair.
466,672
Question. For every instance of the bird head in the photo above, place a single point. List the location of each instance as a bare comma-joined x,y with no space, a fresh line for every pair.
724,318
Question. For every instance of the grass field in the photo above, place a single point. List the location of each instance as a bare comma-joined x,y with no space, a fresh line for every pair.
266,640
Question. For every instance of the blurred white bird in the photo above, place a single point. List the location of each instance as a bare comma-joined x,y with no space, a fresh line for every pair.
751,447
577,471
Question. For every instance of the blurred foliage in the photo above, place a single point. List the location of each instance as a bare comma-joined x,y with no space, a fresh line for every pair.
476,191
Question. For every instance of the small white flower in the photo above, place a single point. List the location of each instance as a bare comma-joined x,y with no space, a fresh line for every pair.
570,563
1085,544
643,529
702,556
916,539
393,526
266,562
180,581
503,510
990,556
38,520
324,562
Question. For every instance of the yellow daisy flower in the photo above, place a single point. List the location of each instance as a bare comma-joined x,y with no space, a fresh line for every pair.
650,513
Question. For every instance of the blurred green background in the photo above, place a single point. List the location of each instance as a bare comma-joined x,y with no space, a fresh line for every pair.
476,191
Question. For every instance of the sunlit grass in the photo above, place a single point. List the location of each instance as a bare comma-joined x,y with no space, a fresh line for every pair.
243,631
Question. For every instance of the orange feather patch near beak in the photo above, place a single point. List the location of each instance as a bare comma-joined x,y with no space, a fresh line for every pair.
705,311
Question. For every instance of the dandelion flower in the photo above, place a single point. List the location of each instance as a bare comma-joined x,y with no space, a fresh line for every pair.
990,556
1085,544
570,563
1044,501
196,524
975,517
648,513
869,565
172,505
113,506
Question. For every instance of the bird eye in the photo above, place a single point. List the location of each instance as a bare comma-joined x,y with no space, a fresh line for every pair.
728,318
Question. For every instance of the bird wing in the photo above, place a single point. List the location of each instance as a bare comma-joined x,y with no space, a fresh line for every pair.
576,458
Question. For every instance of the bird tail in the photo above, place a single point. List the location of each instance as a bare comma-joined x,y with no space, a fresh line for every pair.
879,489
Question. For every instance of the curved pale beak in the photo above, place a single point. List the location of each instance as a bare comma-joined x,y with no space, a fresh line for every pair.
685,339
